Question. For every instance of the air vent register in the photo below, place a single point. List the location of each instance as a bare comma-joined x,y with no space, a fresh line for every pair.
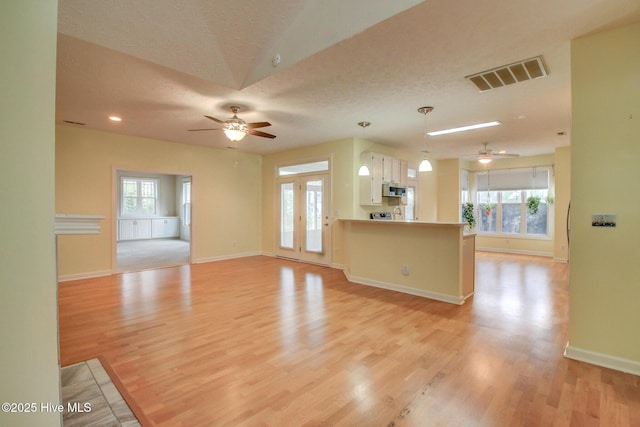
505,75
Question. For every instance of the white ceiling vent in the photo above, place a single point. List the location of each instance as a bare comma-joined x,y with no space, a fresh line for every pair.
505,75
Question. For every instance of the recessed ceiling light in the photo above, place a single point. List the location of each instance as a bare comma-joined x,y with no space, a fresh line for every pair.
115,118
464,128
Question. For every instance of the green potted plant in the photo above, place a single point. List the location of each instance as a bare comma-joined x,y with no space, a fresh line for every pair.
533,203
550,199
468,215
488,207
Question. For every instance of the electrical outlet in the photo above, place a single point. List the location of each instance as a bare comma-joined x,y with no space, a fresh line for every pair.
405,270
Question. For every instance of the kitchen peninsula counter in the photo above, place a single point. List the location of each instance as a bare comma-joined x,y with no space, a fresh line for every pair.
430,259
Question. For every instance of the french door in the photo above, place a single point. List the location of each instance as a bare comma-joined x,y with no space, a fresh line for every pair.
303,231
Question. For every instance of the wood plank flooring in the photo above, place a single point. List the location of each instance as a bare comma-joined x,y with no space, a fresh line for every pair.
261,341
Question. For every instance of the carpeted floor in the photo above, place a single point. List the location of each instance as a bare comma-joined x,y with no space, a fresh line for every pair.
136,255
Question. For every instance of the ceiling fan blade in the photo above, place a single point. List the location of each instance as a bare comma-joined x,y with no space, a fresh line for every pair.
214,119
259,133
196,130
258,125
506,155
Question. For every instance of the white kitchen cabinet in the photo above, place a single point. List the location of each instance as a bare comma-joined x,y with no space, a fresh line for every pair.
371,185
165,227
131,229
396,171
390,170
148,228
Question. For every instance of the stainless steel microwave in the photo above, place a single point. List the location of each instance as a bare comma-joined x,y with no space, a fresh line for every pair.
393,190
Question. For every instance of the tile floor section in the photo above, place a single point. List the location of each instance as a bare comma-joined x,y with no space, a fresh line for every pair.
87,385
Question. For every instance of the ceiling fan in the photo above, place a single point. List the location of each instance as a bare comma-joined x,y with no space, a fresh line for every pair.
486,154
235,128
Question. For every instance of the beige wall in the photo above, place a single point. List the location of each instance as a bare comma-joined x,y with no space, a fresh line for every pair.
226,194
28,293
448,175
432,253
562,194
604,270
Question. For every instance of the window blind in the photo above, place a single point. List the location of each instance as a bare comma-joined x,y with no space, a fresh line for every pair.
514,179
464,180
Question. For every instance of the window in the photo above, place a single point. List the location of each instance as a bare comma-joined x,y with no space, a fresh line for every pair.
502,202
321,166
139,196
464,192
186,202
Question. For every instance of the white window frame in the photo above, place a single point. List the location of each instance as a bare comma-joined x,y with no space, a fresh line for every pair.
537,184
186,202
139,212
523,232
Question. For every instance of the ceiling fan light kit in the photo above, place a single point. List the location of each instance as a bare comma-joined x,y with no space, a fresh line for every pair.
235,128
486,155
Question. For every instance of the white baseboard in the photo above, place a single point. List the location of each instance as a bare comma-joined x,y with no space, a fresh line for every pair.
604,360
79,276
404,289
271,254
514,251
563,260
338,266
225,257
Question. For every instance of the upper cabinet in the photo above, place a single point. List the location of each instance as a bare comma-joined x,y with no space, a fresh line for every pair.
382,170
391,170
371,185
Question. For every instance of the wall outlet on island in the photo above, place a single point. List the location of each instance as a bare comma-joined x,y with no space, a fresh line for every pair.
405,270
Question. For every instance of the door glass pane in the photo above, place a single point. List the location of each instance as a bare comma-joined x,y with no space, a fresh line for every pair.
409,210
286,215
313,237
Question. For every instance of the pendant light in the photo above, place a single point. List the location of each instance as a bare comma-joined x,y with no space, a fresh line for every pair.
425,165
364,170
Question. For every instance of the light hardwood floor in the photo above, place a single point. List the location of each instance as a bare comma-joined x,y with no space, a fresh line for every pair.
262,341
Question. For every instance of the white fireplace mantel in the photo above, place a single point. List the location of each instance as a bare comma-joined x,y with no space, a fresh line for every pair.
78,224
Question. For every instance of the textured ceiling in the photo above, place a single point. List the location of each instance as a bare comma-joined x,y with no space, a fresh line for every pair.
163,64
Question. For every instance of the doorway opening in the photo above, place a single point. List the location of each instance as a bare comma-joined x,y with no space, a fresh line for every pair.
303,196
153,221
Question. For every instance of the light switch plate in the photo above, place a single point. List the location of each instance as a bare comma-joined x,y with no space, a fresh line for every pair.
603,220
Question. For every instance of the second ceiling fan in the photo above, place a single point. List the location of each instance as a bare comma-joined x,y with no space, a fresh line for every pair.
487,154
235,128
